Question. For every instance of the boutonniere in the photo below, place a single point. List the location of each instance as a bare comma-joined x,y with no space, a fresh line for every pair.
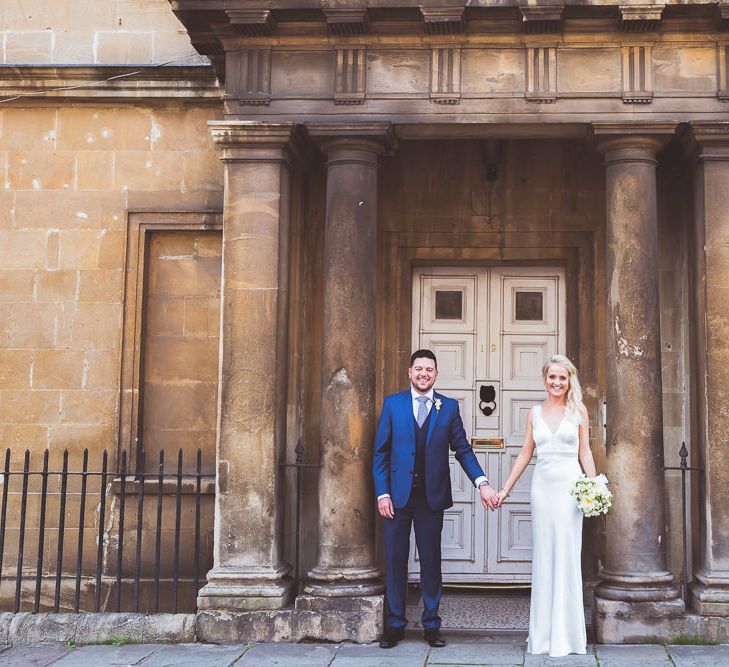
437,403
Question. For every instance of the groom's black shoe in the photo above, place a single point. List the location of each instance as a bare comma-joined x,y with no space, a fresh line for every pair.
390,637
434,638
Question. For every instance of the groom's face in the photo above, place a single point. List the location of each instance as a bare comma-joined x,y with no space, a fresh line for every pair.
422,374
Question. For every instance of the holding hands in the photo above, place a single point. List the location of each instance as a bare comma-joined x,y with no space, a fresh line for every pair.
489,497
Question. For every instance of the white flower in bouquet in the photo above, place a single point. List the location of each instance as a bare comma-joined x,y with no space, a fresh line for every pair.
592,495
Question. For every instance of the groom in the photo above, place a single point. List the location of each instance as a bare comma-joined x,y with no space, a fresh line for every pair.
413,486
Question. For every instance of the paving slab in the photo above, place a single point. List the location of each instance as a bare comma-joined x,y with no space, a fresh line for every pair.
632,655
409,653
459,652
300,655
32,656
541,660
108,656
200,655
699,656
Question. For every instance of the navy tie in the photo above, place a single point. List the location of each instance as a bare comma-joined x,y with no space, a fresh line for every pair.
422,410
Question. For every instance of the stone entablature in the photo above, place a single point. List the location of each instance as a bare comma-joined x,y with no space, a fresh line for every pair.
405,61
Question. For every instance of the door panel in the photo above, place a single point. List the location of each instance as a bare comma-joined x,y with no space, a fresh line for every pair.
491,329
455,358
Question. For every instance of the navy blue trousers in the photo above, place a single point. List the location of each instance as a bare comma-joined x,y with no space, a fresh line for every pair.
428,528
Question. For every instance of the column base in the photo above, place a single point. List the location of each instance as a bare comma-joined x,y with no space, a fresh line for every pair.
620,622
710,594
230,588
645,587
357,620
344,582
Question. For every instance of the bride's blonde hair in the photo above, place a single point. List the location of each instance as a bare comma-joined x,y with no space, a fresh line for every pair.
574,393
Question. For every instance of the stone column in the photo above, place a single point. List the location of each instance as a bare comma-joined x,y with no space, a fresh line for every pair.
635,583
710,594
248,571
346,560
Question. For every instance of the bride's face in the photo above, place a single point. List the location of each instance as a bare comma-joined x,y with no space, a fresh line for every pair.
558,381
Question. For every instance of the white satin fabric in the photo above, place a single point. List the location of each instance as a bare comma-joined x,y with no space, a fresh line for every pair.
557,616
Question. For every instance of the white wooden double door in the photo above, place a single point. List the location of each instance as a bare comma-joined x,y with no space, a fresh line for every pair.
491,330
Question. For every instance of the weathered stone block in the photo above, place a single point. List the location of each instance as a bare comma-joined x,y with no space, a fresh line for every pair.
19,437
22,249
7,206
103,286
97,325
30,407
169,628
102,369
40,170
228,627
112,248
27,628
16,285
58,369
103,129
145,170
175,128
28,47
202,170
79,249
77,437
94,170
89,406
124,48
15,369
29,126
56,285
96,628
630,623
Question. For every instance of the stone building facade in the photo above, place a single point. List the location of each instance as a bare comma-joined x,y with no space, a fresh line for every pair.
237,250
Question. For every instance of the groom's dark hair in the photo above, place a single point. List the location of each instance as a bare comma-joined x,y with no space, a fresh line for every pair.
423,354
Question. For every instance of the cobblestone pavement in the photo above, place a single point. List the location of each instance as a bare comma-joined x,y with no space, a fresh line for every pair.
462,651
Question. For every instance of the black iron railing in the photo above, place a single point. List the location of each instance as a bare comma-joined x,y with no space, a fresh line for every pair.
685,469
118,572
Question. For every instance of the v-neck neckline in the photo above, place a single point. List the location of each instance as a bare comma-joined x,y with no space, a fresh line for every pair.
559,425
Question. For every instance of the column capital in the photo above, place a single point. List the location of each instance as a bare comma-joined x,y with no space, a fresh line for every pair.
640,137
252,140
707,140
374,137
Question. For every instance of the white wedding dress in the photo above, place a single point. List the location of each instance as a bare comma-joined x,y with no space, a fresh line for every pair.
556,616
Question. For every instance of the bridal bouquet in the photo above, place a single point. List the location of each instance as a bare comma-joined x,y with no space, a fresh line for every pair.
592,495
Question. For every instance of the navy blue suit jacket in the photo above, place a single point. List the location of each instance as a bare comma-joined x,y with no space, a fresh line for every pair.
393,463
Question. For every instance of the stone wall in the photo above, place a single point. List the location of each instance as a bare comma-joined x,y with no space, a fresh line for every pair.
69,177
103,32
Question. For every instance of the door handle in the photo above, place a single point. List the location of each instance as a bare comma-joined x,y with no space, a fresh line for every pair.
487,399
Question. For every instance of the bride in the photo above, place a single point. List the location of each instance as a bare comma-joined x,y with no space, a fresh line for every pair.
559,430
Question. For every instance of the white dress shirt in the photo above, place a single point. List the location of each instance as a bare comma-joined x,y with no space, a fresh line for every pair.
416,404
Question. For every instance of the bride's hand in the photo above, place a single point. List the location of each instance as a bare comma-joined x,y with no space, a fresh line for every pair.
503,495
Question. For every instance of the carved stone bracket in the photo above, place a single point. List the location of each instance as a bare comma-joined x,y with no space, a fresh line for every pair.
445,75
637,74
347,21
252,22
640,18
443,20
541,74
255,77
349,76
541,19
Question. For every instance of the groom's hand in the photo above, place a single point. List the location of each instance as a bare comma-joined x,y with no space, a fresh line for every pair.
489,497
384,507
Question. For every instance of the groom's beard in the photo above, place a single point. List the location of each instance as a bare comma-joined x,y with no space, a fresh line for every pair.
427,385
